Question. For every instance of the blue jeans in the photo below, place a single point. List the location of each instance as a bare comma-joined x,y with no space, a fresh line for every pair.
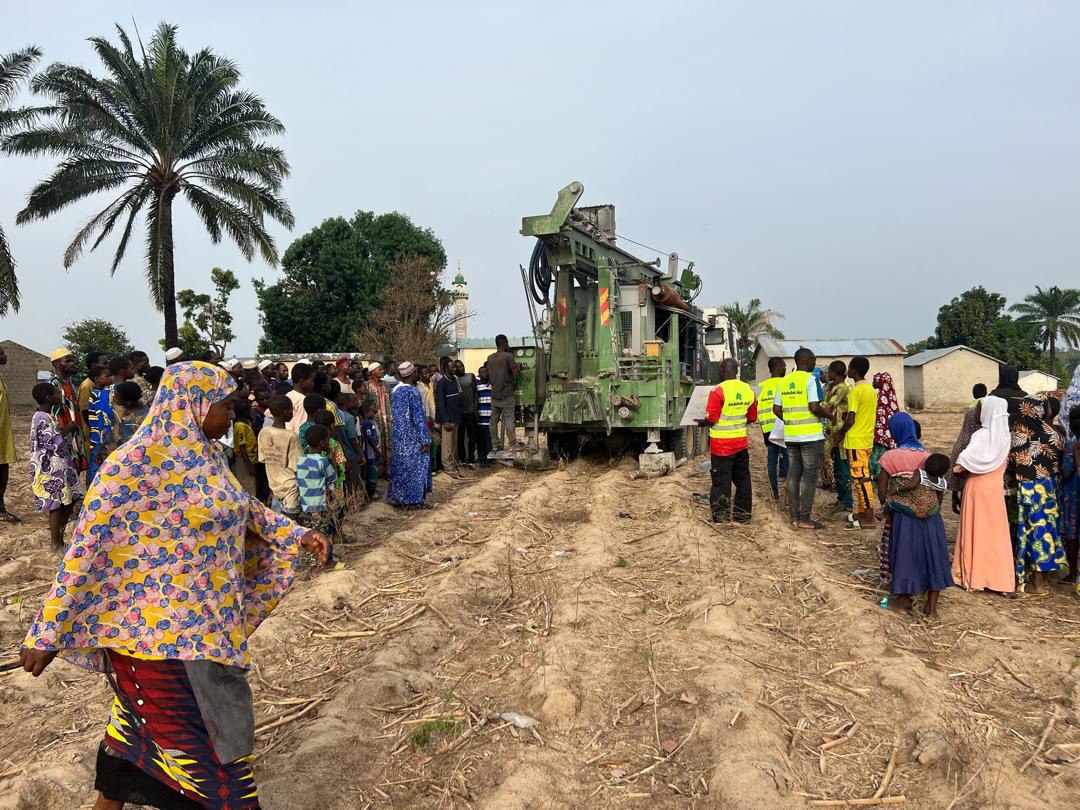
778,465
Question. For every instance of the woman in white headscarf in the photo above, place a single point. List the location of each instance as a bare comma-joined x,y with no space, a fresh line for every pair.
983,558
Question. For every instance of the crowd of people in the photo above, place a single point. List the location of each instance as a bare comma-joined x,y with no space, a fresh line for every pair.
200,487
1012,474
311,440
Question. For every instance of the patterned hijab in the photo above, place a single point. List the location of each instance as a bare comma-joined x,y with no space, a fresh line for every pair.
158,566
886,407
1036,446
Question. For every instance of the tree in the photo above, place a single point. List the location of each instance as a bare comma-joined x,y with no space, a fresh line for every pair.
416,316
14,70
208,317
977,319
95,334
749,324
1055,313
333,278
158,124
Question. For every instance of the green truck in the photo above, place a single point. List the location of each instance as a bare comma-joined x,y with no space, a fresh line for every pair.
619,343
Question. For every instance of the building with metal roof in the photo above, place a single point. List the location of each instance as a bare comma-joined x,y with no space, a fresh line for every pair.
943,379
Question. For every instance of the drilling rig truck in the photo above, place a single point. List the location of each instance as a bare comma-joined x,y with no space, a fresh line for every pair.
619,344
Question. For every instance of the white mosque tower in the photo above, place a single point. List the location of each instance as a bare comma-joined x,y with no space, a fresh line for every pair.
460,293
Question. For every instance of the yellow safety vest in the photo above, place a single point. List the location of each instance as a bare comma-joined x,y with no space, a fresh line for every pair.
738,397
766,399
798,421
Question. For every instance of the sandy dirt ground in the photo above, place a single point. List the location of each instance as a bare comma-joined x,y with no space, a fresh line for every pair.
664,661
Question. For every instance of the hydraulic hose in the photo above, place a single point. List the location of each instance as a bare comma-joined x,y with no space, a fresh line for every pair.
541,278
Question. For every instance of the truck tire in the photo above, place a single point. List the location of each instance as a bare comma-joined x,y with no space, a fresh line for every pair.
695,440
674,441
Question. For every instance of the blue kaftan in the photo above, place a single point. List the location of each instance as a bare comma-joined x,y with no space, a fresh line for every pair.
410,466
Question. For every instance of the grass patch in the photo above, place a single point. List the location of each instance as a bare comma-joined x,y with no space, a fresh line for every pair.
620,562
421,737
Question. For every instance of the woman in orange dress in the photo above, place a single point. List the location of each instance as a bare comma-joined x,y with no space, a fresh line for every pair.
983,558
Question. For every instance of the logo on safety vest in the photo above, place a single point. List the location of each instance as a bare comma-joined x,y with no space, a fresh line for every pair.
738,397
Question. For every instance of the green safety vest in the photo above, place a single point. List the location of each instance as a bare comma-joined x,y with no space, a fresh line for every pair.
766,399
798,421
738,397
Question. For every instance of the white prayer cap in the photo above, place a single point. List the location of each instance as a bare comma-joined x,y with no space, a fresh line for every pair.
405,368
173,354
249,365
265,364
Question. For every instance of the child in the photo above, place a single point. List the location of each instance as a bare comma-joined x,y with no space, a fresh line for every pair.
347,405
245,449
279,450
315,478
99,417
483,416
369,431
919,494
918,550
336,455
259,415
259,409
129,410
54,479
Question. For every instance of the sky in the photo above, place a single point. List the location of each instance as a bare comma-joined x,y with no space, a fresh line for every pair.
852,164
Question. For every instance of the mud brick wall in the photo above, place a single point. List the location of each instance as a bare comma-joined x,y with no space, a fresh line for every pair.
21,372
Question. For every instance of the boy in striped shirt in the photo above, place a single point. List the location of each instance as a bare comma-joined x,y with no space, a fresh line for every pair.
483,416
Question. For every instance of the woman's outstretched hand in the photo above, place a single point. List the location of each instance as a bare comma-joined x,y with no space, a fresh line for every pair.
35,661
316,544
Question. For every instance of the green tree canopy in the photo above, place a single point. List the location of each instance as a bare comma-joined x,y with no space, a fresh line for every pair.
333,277
207,317
157,124
95,334
977,319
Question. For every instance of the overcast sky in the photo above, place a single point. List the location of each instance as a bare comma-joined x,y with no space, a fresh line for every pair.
852,164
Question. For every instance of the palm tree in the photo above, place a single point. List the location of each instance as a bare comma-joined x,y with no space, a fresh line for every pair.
14,70
749,324
160,123
1056,312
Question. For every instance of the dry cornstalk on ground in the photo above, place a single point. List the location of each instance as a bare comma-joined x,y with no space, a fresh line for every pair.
594,641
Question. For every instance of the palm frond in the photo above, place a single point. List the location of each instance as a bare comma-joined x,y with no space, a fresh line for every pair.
15,68
9,282
73,180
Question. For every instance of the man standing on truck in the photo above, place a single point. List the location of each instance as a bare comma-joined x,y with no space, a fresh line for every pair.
502,371
731,406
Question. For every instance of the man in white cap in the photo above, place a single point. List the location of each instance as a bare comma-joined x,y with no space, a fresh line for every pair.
173,355
410,467
269,374
64,367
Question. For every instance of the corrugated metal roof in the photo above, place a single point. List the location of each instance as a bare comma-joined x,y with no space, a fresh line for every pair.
851,347
922,358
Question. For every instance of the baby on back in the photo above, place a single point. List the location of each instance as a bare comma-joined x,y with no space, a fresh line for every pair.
919,494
